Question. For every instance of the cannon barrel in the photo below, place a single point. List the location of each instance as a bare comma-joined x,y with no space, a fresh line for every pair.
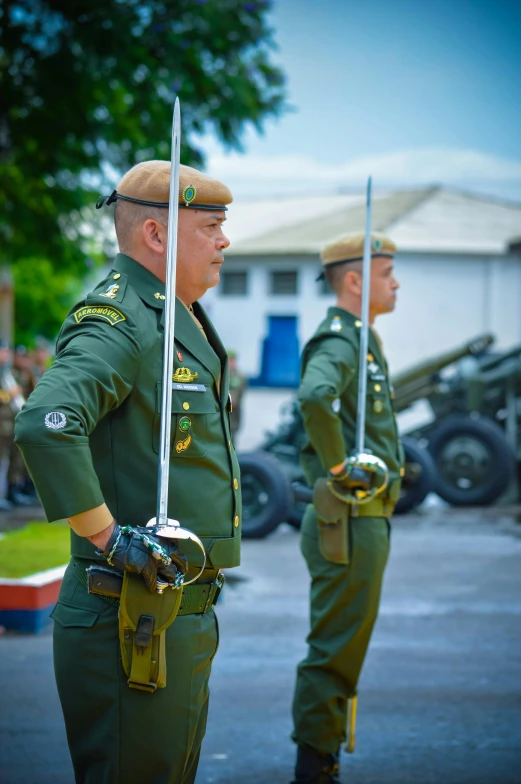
423,370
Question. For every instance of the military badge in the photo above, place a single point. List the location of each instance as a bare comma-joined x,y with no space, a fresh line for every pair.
189,195
185,423
182,446
378,406
184,376
111,291
55,420
179,356
376,244
336,324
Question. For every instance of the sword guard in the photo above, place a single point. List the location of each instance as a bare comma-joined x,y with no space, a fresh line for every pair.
172,529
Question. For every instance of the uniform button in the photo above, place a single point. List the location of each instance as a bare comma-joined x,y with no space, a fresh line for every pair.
402,471
358,323
236,484
117,276
230,445
186,406
236,521
377,388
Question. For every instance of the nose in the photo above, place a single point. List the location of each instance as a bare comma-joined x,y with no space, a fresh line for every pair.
223,241
396,285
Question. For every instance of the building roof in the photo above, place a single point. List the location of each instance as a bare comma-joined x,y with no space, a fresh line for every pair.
426,220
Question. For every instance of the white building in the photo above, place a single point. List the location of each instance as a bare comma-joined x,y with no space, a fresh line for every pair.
458,264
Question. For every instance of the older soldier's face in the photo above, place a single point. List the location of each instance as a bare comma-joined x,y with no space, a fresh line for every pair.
200,245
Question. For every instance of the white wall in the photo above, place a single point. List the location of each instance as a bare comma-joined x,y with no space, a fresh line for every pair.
443,301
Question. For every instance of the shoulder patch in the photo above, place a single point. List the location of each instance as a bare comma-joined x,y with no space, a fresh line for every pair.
112,315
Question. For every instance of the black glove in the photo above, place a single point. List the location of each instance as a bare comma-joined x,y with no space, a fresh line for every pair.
141,551
346,484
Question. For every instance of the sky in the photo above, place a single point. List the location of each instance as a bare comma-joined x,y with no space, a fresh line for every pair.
412,92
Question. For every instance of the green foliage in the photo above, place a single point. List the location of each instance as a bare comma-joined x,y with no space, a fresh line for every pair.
43,297
33,549
88,88
87,91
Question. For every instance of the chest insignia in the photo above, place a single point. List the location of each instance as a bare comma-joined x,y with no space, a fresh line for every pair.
184,376
111,291
185,423
183,444
378,406
336,324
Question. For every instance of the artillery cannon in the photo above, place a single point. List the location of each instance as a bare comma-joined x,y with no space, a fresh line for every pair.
466,453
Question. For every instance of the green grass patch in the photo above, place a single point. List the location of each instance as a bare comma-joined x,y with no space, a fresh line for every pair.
36,547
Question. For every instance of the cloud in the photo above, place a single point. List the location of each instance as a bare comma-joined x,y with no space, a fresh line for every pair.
462,168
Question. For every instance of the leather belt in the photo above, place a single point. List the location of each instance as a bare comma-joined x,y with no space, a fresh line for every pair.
378,507
106,583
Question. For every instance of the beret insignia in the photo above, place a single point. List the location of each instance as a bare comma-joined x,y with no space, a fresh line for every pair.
189,194
377,244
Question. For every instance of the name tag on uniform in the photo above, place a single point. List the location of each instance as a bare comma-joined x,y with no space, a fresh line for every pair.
189,387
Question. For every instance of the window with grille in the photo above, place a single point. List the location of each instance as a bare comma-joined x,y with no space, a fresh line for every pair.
284,282
234,284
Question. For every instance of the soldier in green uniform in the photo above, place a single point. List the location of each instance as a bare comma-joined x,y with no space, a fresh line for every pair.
90,437
345,546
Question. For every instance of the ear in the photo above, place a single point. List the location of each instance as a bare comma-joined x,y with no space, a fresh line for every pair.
154,236
353,282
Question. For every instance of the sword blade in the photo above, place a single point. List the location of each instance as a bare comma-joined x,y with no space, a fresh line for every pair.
364,329
168,347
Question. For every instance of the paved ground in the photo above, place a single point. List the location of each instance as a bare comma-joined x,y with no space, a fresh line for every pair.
440,695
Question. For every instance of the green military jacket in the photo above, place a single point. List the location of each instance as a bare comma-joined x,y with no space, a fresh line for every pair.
90,431
328,398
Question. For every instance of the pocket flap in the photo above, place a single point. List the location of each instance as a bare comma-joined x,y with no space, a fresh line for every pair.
66,615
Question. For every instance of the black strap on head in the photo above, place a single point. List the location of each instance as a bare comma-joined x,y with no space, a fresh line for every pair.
114,196
349,261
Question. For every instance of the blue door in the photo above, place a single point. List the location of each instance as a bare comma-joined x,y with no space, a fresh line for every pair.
280,354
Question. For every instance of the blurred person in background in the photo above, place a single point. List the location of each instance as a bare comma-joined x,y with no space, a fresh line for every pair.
345,545
238,385
20,490
11,402
41,359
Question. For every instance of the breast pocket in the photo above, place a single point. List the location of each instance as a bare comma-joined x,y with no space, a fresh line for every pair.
190,412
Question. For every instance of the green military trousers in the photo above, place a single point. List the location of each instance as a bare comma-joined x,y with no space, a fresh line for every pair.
117,734
344,607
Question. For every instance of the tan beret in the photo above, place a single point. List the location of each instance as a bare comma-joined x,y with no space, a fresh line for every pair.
149,183
351,248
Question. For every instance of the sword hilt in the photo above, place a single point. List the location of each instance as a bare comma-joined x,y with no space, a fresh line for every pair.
173,530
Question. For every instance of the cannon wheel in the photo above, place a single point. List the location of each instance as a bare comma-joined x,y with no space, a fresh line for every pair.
419,478
266,494
474,462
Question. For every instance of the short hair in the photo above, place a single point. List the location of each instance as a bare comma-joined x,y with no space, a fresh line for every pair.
128,216
335,274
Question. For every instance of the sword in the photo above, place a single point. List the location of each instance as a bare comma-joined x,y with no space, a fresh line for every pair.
165,527
362,460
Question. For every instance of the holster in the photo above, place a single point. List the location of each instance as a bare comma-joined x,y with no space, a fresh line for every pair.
143,620
333,523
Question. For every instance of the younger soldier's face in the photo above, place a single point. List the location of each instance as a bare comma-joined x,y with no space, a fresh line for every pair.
383,286
200,245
